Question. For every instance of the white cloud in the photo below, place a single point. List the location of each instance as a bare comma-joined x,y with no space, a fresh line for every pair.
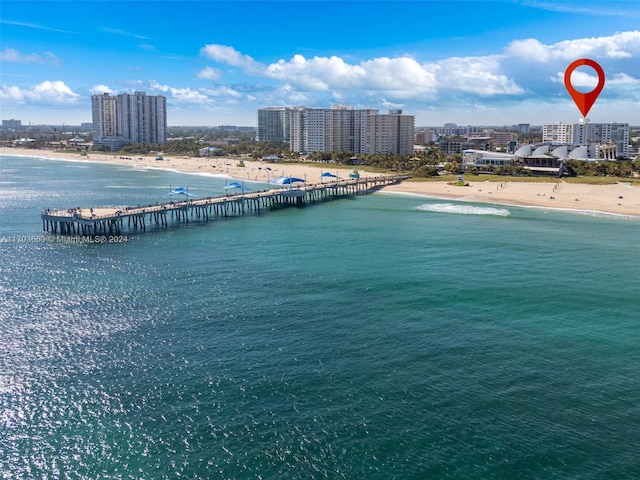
288,95
230,56
157,86
56,92
582,79
202,95
183,95
187,95
598,9
14,56
623,79
619,45
479,75
222,91
391,105
531,49
117,31
401,77
12,93
98,89
317,73
47,92
209,73
398,78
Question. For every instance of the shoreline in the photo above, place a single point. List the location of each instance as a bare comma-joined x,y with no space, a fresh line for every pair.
620,199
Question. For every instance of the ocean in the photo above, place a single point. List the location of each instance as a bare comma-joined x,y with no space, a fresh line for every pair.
382,336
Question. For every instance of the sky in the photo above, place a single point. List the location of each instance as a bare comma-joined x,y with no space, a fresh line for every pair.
218,62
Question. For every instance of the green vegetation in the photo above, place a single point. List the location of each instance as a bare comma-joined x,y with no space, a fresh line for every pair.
431,163
620,168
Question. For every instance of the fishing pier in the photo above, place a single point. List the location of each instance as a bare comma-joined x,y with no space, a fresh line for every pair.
119,219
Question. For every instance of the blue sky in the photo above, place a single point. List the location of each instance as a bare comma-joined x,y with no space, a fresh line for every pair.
466,62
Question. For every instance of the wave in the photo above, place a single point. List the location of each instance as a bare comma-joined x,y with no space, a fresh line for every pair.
463,209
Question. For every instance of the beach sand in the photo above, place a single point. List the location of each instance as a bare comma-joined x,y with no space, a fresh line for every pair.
621,198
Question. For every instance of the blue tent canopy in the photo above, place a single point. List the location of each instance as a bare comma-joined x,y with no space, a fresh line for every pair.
181,191
328,174
237,185
287,180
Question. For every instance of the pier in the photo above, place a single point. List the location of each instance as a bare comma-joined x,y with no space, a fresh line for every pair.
115,220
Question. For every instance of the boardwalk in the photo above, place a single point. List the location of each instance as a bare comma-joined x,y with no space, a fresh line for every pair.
117,220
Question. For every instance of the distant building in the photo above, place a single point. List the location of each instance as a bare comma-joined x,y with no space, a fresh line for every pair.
457,145
557,133
541,159
274,124
424,137
503,139
209,151
342,128
13,124
482,158
449,129
601,135
128,118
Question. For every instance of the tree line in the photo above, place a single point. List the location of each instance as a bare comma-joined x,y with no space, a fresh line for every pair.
428,163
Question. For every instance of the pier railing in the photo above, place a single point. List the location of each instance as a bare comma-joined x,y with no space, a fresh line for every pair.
111,219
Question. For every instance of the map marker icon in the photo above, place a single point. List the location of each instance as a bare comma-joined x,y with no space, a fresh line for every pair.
584,101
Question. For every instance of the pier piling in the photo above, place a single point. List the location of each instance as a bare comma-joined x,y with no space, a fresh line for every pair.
110,220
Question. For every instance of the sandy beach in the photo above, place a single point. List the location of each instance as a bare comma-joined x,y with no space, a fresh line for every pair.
621,198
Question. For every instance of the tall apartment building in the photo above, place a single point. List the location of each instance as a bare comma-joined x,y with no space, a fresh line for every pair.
274,124
345,129
557,133
129,118
103,110
585,133
15,124
614,133
392,133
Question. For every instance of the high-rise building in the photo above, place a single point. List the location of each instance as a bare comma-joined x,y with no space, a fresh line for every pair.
274,124
14,124
342,128
129,118
585,133
103,109
611,133
557,133
392,133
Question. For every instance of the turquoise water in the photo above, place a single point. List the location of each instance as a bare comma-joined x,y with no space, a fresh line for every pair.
385,336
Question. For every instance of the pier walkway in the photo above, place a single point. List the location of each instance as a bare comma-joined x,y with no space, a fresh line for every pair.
116,220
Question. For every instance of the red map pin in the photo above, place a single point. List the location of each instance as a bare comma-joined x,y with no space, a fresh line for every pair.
584,101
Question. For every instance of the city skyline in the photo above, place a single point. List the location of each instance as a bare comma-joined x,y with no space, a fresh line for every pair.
217,63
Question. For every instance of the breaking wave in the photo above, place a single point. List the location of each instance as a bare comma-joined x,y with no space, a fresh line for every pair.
463,209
